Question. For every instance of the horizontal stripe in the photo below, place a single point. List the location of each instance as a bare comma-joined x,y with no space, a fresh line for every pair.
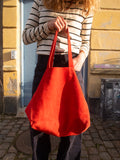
33,20
77,40
64,13
36,29
34,8
87,23
64,18
36,3
34,15
57,42
30,25
85,34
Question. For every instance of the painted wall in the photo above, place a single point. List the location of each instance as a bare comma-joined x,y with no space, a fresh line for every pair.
104,59
11,42
104,53
1,62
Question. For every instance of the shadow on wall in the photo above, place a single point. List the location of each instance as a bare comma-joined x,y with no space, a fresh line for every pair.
112,61
7,56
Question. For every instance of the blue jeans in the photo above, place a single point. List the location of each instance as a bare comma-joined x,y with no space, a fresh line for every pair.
70,146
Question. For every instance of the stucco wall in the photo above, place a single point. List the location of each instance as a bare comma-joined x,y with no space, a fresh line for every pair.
105,49
104,58
11,41
1,62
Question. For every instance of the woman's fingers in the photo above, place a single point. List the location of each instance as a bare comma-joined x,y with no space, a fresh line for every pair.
65,23
77,64
59,23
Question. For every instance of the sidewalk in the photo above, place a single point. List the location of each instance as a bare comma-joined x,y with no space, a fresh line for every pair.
100,142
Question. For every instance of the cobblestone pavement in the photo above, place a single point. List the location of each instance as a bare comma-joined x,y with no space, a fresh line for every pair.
100,142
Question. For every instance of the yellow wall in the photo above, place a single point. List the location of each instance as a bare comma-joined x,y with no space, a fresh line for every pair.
11,41
105,46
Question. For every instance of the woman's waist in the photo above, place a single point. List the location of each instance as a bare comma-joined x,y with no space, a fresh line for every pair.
60,60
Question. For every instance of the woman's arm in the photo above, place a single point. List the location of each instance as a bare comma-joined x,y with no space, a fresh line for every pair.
85,34
33,31
84,50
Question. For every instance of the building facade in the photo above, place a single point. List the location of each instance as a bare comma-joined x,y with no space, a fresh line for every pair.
16,69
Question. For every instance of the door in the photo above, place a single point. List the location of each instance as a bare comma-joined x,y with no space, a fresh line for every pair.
29,57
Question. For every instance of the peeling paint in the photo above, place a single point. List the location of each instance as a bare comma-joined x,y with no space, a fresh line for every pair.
103,53
12,86
104,25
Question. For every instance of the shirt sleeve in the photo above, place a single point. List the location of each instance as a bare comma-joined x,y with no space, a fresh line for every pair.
85,34
33,31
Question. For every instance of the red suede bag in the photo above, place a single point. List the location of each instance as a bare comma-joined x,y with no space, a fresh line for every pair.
58,106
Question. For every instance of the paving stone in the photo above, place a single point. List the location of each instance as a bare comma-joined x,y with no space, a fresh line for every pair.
10,117
2,153
2,136
84,158
9,139
86,132
94,135
101,132
92,150
118,149
117,143
108,144
26,125
6,121
102,148
105,137
4,146
9,156
12,149
87,137
92,129
24,128
15,130
4,132
89,144
83,146
12,123
99,127
113,153
97,141
17,126
11,134
84,153
116,158
28,158
20,122
7,127
21,155
19,132
94,157
96,144
105,156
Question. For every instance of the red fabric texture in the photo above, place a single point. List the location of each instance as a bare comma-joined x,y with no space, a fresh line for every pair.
58,106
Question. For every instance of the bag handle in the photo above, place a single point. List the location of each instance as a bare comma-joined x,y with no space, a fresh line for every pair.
52,52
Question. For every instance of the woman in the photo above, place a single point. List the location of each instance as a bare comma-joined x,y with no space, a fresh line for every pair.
47,16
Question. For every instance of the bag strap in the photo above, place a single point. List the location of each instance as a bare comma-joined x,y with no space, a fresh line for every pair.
52,52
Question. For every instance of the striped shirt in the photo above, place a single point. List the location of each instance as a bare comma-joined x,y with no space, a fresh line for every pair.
36,29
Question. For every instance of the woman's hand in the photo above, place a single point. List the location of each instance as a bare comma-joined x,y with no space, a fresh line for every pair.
78,61
58,24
